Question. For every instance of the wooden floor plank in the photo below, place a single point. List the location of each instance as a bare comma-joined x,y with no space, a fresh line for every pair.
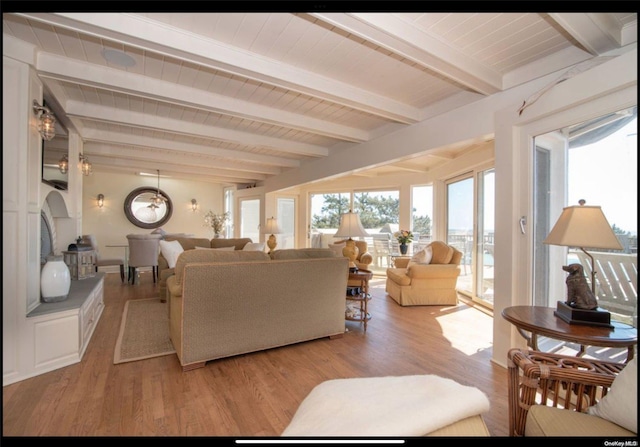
250,395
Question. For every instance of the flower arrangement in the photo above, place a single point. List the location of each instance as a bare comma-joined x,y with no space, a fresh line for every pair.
403,236
215,221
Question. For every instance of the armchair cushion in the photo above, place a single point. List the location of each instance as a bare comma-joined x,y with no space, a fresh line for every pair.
441,253
620,405
424,256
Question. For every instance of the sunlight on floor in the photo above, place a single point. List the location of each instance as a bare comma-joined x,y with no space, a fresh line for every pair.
470,338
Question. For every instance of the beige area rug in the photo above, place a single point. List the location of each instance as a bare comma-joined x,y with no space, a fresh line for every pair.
144,331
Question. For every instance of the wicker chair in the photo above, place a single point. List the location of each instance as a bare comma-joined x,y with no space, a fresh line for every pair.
553,380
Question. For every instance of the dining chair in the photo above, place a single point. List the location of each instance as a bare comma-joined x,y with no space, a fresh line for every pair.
101,261
143,252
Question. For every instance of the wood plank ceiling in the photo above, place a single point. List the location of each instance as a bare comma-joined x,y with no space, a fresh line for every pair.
235,98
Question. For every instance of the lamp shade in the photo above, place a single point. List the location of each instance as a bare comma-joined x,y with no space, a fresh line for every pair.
350,226
584,227
272,226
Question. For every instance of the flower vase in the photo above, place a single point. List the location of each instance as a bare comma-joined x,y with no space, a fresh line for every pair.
403,249
55,280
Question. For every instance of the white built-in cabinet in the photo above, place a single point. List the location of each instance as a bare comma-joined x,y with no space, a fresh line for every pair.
62,330
36,337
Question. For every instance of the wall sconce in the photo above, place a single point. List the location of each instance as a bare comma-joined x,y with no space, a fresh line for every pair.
63,164
100,200
194,205
87,168
47,124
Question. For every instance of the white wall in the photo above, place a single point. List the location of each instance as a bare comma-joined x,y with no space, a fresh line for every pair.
111,226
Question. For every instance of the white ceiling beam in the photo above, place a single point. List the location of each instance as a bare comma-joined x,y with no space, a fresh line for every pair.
67,70
597,33
167,167
169,145
161,38
116,151
168,170
404,39
154,122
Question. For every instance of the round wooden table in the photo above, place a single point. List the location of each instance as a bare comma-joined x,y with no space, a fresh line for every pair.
539,320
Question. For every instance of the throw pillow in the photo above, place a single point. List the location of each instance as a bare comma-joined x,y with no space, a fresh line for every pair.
171,250
225,248
337,248
254,246
620,405
422,257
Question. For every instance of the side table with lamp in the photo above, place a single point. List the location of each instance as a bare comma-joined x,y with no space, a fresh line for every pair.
579,319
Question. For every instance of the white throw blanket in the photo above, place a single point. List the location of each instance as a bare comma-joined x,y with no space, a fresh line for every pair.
385,406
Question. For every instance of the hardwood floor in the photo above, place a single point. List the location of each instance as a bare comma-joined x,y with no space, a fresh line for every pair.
253,395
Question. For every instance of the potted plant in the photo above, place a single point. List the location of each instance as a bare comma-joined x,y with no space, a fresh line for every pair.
404,237
216,222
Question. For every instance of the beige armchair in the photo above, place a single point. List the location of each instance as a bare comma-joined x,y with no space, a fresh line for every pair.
426,284
364,258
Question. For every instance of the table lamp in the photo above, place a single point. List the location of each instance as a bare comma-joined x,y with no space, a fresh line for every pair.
583,226
271,228
350,227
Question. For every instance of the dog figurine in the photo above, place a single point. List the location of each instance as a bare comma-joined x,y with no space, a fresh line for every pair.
579,294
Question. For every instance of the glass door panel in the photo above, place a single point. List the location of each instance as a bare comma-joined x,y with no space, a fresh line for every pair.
286,216
460,218
250,219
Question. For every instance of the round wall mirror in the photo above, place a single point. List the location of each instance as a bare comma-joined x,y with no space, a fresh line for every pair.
143,208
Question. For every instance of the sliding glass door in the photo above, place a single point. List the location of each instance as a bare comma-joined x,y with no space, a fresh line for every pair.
470,229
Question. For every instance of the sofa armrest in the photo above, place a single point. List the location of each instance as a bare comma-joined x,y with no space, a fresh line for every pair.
173,288
401,263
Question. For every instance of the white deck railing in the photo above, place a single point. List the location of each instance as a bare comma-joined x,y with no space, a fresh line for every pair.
616,282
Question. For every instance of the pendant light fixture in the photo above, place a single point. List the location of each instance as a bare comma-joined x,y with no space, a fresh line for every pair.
158,199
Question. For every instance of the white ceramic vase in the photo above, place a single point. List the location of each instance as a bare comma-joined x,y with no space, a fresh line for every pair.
55,280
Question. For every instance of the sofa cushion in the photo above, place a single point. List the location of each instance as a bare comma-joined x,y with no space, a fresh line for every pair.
171,250
303,253
620,405
237,243
189,243
552,421
442,253
208,256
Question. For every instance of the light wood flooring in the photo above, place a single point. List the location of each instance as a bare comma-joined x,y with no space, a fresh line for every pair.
253,395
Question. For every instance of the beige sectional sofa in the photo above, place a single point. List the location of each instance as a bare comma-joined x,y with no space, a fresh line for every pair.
225,303
190,243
